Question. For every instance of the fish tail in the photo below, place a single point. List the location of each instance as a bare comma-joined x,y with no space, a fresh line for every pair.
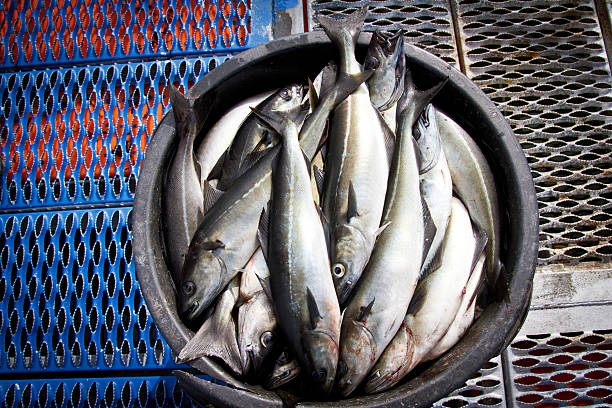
214,339
414,101
344,32
188,116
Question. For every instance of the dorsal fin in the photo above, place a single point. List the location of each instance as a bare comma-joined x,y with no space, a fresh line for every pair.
364,311
313,98
211,194
313,309
352,209
264,281
319,177
429,229
263,231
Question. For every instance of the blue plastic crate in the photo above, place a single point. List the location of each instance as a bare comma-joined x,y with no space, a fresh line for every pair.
58,33
69,295
77,135
156,391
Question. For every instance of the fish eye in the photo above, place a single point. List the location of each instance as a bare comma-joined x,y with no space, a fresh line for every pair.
189,288
319,375
285,94
338,270
371,62
267,339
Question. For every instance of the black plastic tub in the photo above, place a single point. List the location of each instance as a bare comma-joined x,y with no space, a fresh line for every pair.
293,58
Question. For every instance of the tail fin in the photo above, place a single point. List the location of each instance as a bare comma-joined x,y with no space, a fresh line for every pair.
344,32
189,114
413,101
217,336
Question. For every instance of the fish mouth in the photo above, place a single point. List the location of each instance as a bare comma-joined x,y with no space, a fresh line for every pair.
191,312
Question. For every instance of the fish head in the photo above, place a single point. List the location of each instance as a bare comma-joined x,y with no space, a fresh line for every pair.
288,98
285,369
386,56
357,356
257,334
201,281
321,348
349,257
397,360
427,136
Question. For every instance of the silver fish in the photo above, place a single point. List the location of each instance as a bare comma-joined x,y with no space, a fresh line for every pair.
357,165
381,298
428,317
257,324
227,236
436,183
217,336
286,368
252,133
474,184
386,53
183,200
302,288
219,137
465,315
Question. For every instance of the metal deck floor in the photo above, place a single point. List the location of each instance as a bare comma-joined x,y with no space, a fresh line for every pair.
83,85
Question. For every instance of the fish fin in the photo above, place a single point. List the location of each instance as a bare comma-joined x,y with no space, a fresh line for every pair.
481,242
326,230
476,275
346,84
263,231
414,100
308,163
380,229
313,309
214,339
352,210
313,98
327,78
249,161
264,281
388,135
337,28
182,107
319,176
416,303
365,311
268,119
429,229
399,74
433,265
211,194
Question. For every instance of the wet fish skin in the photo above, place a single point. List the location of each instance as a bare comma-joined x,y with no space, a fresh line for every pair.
217,335
379,303
183,200
285,369
474,183
257,324
465,315
219,137
302,288
357,165
428,318
435,178
251,132
386,53
227,236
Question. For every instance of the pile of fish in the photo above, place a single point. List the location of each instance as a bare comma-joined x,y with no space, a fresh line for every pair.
314,232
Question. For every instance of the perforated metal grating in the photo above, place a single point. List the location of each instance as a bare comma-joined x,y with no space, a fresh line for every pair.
89,393
69,296
78,135
556,370
427,24
51,33
484,389
544,65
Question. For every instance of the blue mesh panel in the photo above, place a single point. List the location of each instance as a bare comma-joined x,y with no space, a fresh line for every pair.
52,33
69,296
161,391
78,135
